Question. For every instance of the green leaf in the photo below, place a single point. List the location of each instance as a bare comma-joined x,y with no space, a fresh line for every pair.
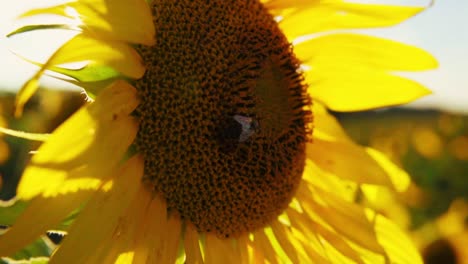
36,249
36,27
10,210
67,222
40,260
89,73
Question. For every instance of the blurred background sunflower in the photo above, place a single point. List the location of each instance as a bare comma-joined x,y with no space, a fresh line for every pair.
333,243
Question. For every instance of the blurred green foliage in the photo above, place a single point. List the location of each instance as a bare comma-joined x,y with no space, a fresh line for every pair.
43,113
431,146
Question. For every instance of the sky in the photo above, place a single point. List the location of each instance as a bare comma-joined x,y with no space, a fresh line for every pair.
442,30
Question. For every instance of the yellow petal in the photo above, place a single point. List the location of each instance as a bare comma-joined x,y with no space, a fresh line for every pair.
24,135
41,215
346,160
337,242
326,126
337,212
149,230
119,248
314,176
108,19
261,242
244,249
85,148
191,245
26,92
158,239
280,255
341,15
101,215
278,6
354,89
115,54
170,242
138,213
397,245
124,258
308,238
219,250
374,52
400,179
286,241
83,48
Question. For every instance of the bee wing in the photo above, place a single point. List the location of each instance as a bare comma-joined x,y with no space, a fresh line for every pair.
248,127
246,122
245,135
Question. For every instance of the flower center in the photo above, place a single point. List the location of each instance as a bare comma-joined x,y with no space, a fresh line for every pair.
224,116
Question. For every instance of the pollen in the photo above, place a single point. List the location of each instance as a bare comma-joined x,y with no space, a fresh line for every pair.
224,114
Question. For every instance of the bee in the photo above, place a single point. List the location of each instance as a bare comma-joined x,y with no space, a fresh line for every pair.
237,129
249,127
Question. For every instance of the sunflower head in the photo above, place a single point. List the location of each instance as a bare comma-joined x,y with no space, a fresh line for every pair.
209,152
223,116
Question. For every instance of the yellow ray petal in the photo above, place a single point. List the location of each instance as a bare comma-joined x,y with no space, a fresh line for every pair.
106,19
244,249
346,160
286,241
354,89
314,176
257,254
278,6
358,228
119,248
115,54
341,15
81,48
101,215
191,245
400,178
326,126
124,258
351,49
337,242
307,238
85,148
159,237
219,250
26,92
41,215
25,135
261,242
137,245
313,256
150,230
397,245
170,241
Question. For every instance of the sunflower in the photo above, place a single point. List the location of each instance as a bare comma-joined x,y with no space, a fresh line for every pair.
203,147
